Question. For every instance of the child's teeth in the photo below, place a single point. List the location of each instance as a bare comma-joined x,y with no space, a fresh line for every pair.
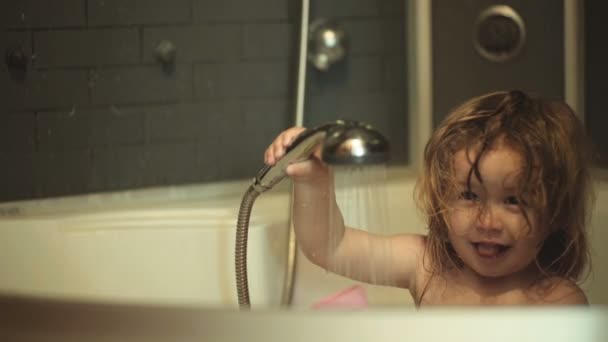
488,250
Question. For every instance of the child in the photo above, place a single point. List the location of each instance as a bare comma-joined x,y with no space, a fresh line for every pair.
506,191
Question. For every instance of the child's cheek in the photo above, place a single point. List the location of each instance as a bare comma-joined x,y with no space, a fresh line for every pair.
460,221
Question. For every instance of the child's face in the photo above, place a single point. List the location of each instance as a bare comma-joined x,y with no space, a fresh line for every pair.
487,227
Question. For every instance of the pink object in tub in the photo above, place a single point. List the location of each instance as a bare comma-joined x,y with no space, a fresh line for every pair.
353,297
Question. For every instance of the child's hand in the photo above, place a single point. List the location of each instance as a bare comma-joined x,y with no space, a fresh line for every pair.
305,170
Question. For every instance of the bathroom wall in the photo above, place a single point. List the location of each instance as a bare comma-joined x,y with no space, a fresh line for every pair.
460,71
596,73
94,110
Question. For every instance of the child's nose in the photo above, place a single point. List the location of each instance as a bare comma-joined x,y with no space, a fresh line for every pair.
489,219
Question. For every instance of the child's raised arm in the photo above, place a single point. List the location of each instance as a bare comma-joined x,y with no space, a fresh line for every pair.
325,240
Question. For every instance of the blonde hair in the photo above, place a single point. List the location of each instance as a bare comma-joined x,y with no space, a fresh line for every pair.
555,182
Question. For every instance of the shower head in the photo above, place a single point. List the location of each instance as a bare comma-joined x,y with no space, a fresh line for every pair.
342,143
354,143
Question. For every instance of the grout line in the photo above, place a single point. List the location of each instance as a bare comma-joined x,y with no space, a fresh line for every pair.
86,13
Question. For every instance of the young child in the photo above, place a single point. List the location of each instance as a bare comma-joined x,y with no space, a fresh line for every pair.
506,191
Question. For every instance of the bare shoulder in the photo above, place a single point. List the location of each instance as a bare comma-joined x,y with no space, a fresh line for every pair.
560,291
414,245
415,242
408,253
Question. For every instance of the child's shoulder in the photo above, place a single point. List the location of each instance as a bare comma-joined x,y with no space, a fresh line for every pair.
560,291
408,253
415,242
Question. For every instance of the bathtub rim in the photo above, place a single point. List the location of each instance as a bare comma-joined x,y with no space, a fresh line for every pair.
97,322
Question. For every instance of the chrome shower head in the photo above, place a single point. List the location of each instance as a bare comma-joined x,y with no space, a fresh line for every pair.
327,43
343,143
354,143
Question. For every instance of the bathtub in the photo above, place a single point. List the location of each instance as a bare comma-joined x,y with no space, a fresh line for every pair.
175,245
159,246
157,265
172,245
27,320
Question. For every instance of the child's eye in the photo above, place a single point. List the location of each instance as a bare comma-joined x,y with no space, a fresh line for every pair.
512,200
469,196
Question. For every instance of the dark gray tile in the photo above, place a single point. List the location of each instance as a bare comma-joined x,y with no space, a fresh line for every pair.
63,173
45,89
370,108
196,44
134,12
80,129
118,168
375,36
239,10
364,36
224,144
394,36
392,8
243,138
355,74
220,139
186,121
269,112
17,177
140,85
97,47
345,8
17,133
12,41
241,80
269,40
42,13
182,122
17,45
395,72
263,120
168,164
244,74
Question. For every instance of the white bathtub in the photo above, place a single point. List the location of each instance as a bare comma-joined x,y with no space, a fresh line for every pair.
175,246
161,246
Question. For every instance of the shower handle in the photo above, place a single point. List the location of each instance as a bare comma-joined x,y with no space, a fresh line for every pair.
16,59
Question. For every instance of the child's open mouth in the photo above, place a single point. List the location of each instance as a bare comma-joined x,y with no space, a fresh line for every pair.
490,250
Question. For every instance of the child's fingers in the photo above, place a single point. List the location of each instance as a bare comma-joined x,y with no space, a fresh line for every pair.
306,170
286,139
283,141
301,169
272,152
268,159
277,149
317,153
291,135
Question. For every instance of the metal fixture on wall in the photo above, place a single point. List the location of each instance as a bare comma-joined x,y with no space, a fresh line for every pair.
500,33
17,62
166,52
328,43
508,54
16,59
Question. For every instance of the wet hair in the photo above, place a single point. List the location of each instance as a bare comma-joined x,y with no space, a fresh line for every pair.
554,184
